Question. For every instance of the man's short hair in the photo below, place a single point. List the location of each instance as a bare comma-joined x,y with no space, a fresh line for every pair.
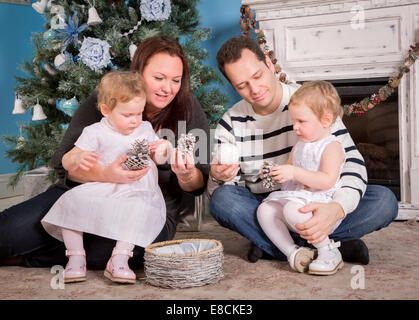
231,51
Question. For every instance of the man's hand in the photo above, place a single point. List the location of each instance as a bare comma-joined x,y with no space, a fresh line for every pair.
116,174
325,216
223,172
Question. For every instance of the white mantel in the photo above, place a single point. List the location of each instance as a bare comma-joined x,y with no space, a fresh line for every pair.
343,39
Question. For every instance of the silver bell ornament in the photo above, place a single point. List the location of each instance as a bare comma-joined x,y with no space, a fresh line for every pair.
40,6
132,49
18,108
21,140
38,112
94,18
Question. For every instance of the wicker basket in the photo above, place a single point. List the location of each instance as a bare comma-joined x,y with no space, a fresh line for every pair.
183,263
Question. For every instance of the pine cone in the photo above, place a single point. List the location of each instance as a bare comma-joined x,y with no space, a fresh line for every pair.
267,181
186,143
138,156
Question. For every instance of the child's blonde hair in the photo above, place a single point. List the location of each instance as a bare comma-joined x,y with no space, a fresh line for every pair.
119,86
320,96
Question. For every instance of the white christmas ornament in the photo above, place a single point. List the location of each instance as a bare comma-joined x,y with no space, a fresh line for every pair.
95,53
59,60
18,109
132,49
50,69
93,17
227,153
38,112
39,6
58,20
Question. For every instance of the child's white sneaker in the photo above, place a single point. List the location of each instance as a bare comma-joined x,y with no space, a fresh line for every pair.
300,258
329,260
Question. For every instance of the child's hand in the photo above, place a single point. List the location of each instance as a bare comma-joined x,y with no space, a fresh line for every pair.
83,160
282,173
160,150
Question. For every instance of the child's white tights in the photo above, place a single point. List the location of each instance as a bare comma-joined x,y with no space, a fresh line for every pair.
277,219
73,240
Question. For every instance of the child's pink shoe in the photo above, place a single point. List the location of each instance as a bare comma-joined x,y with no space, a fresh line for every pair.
120,272
75,271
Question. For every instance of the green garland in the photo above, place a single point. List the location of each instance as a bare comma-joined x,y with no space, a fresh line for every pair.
248,23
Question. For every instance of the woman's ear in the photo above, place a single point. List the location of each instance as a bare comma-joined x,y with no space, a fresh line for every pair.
104,109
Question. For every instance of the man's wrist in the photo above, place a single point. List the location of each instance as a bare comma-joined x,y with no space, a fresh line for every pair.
213,179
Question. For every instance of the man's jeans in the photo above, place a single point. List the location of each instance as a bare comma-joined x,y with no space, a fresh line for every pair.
235,208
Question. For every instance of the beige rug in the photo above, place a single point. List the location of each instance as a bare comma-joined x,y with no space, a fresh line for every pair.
393,273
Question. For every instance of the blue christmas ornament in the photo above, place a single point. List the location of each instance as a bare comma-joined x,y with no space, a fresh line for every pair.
68,106
155,10
50,35
50,38
64,126
70,33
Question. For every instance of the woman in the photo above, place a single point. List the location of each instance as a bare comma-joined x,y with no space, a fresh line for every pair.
163,65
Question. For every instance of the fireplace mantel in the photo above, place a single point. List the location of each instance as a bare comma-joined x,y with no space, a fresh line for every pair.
341,39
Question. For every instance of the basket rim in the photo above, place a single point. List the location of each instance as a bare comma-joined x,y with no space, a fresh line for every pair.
149,248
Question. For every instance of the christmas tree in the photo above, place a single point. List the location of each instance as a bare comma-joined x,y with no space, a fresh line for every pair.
84,40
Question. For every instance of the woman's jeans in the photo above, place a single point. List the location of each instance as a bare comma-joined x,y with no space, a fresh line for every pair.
235,208
21,234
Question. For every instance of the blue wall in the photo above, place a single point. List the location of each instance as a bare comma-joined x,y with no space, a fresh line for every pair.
18,22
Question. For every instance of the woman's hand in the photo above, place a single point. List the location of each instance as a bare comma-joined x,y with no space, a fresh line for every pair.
282,173
183,167
116,174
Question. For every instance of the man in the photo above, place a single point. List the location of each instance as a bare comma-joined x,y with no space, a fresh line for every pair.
260,127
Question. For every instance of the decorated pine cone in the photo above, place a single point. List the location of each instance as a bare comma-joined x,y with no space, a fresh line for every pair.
394,82
267,181
186,144
138,156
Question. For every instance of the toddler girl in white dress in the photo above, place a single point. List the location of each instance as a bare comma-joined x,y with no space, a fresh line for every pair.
132,213
311,174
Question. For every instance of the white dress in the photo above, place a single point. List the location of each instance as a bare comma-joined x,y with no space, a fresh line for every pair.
133,212
306,155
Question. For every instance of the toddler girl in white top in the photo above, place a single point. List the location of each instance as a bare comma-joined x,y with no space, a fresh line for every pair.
311,174
132,213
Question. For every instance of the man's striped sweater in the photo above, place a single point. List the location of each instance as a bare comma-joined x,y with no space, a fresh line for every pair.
271,137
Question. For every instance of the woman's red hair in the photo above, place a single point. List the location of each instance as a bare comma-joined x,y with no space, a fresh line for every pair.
181,107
